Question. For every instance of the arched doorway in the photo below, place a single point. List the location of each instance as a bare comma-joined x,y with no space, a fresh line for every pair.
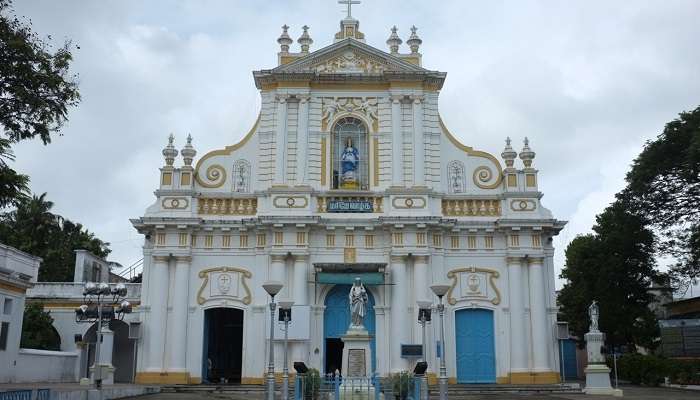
476,360
223,345
123,351
336,319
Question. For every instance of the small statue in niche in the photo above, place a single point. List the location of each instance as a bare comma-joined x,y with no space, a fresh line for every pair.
350,160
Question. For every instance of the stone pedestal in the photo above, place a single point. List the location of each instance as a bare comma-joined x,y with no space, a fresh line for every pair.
357,365
597,373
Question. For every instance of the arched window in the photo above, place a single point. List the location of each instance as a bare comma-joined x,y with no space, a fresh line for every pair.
456,182
241,176
349,155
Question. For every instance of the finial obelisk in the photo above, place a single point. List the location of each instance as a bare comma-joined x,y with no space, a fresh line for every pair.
349,4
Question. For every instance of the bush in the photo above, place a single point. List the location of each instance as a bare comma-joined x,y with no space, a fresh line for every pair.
651,370
312,384
401,384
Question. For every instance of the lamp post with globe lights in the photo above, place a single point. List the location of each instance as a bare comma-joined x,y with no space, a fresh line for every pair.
285,317
440,290
102,303
272,288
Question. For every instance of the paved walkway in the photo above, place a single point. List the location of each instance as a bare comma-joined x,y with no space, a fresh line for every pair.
630,392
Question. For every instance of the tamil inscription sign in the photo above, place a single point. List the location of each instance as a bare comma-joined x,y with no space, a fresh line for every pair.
350,206
356,362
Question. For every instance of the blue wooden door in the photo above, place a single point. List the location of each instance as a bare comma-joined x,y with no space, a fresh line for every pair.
336,316
567,351
476,360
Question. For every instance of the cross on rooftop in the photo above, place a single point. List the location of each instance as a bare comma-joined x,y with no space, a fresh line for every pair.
349,4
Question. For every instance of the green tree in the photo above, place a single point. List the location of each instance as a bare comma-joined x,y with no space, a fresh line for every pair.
37,329
33,228
664,186
13,186
36,87
615,266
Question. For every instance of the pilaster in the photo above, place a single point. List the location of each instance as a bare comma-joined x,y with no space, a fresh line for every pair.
399,323
155,329
538,315
396,141
418,142
178,346
281,140
302,139
518,344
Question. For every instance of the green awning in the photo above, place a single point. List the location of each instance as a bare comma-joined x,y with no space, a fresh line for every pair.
347,278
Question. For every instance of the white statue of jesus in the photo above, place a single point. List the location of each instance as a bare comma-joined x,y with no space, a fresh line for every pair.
358,300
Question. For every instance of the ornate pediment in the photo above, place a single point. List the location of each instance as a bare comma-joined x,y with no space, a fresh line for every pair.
349,56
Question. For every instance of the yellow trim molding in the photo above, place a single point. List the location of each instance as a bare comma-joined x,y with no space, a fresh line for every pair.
532,378
249,380
475,153
165,378
12,288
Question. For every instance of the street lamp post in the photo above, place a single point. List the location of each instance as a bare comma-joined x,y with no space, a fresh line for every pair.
99,307
440,290
424,311
272,288
285,317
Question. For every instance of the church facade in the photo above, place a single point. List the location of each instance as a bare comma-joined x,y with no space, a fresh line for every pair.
349,171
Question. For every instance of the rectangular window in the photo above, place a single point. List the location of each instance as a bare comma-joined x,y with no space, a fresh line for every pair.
488,242
261,240
515,240
244,241
279,238
301,238
454,242
330,240
194,240
471,242
398,238
209,241
160,239
369,241
226,241
420,238
7,306
183,239
349,240
4,332
536,242
437,241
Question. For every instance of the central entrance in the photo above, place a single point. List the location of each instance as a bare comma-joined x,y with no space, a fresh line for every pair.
336,319
223,345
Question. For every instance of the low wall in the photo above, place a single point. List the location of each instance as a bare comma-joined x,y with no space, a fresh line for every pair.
46,366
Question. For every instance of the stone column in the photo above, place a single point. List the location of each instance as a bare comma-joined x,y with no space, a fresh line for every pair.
277,265
518,344
418,142
420,288
541,335
396,142
400,327
301,262
281,141
302,138
178,327
158,297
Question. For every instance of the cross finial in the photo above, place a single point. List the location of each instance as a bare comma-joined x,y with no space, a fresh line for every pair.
349,3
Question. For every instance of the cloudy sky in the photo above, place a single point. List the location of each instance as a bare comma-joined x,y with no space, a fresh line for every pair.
587,81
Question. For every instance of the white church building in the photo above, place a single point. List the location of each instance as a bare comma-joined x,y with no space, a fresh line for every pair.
349,171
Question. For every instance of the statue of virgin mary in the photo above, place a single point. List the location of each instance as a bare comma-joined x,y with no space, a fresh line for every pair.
350,160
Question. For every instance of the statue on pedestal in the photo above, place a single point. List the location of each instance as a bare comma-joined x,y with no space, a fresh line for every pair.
593,314
358,304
